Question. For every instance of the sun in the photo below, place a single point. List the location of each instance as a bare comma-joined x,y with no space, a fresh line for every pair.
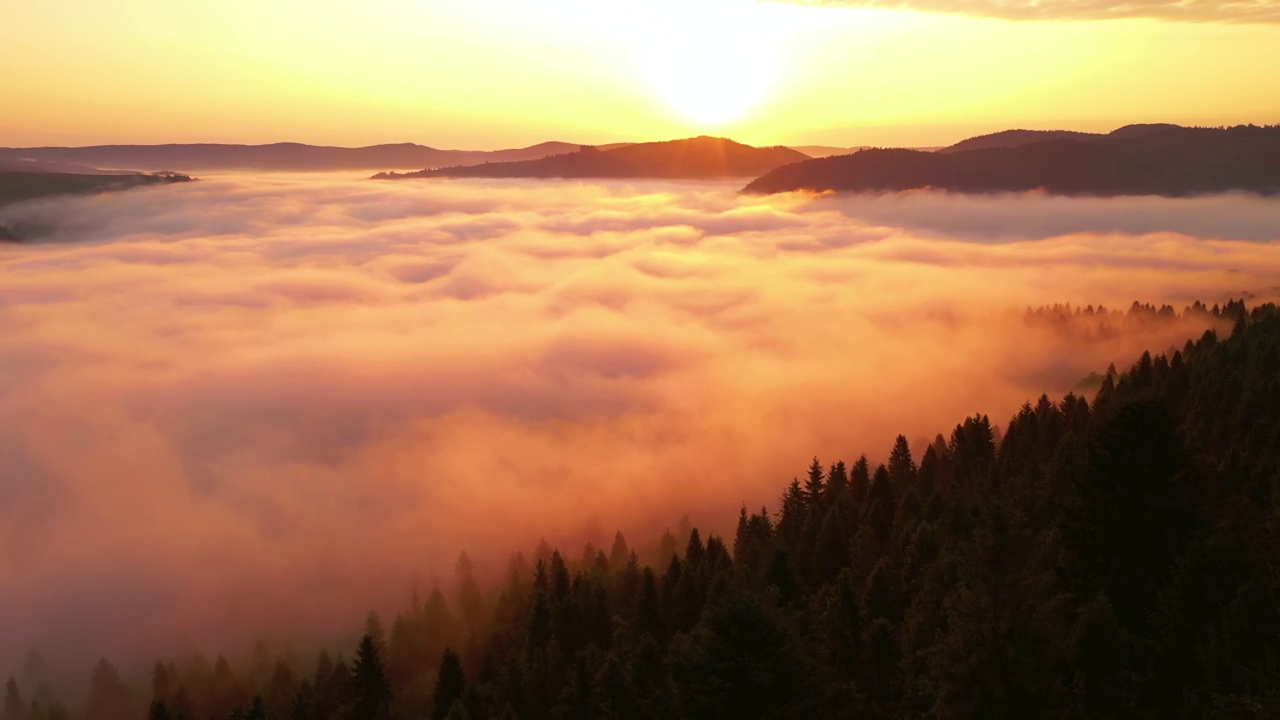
711,80
711,62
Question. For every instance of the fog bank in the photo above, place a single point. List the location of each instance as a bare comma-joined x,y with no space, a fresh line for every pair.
258,406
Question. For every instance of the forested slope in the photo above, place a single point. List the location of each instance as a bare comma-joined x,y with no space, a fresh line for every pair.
1105,558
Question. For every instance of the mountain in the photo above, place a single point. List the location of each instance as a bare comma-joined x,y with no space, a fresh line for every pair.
1168,161
1018,138
694,158
280,157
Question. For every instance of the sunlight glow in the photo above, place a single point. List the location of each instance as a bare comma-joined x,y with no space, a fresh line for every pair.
711,76
711,61
490,74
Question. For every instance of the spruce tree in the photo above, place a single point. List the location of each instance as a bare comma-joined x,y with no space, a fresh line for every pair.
451,683
371,695
14,707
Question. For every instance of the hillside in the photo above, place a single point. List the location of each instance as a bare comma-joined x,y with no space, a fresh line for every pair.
1170,162
694,158
17,186
280,157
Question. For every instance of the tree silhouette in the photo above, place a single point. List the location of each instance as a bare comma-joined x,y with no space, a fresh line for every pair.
14,707
451,683
370,693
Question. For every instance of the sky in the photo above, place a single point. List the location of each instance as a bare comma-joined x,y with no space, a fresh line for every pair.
486,74
257,406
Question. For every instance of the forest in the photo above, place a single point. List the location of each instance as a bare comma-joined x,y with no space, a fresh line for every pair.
1103,556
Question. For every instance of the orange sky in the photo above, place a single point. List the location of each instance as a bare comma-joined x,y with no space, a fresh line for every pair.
494,73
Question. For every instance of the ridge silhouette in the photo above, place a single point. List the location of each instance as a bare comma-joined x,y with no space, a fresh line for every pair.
701,157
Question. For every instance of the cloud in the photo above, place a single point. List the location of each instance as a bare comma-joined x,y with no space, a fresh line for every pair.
1248,11
259,406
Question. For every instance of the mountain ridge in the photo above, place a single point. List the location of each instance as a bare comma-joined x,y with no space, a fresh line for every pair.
702,157
1170,162
1019,137
280,156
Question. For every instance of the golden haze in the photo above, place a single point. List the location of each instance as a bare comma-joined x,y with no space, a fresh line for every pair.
492,73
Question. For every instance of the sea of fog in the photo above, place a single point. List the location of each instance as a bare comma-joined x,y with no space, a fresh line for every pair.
254,406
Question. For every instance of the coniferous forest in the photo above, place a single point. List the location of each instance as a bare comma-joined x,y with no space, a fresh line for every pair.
1097,557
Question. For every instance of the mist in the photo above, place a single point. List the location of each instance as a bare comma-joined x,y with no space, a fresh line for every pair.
242,407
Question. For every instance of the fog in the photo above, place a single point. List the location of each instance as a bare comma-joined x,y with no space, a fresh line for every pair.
251,407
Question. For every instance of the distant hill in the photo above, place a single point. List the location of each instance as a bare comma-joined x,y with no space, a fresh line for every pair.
1142,129
1018,138
279,157
16,186
821,151
43,166
694,158
1169,161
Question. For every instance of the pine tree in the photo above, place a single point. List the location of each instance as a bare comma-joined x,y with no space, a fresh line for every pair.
814,483
902,467
281,690
694,551
860,479
304,704
371,695
837,480
648,612
451,684
334,698
226,690
374,629
109,697
470,602
14,707
559,577
619,553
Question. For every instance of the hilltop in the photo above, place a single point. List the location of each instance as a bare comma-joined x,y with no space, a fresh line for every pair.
1018,138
